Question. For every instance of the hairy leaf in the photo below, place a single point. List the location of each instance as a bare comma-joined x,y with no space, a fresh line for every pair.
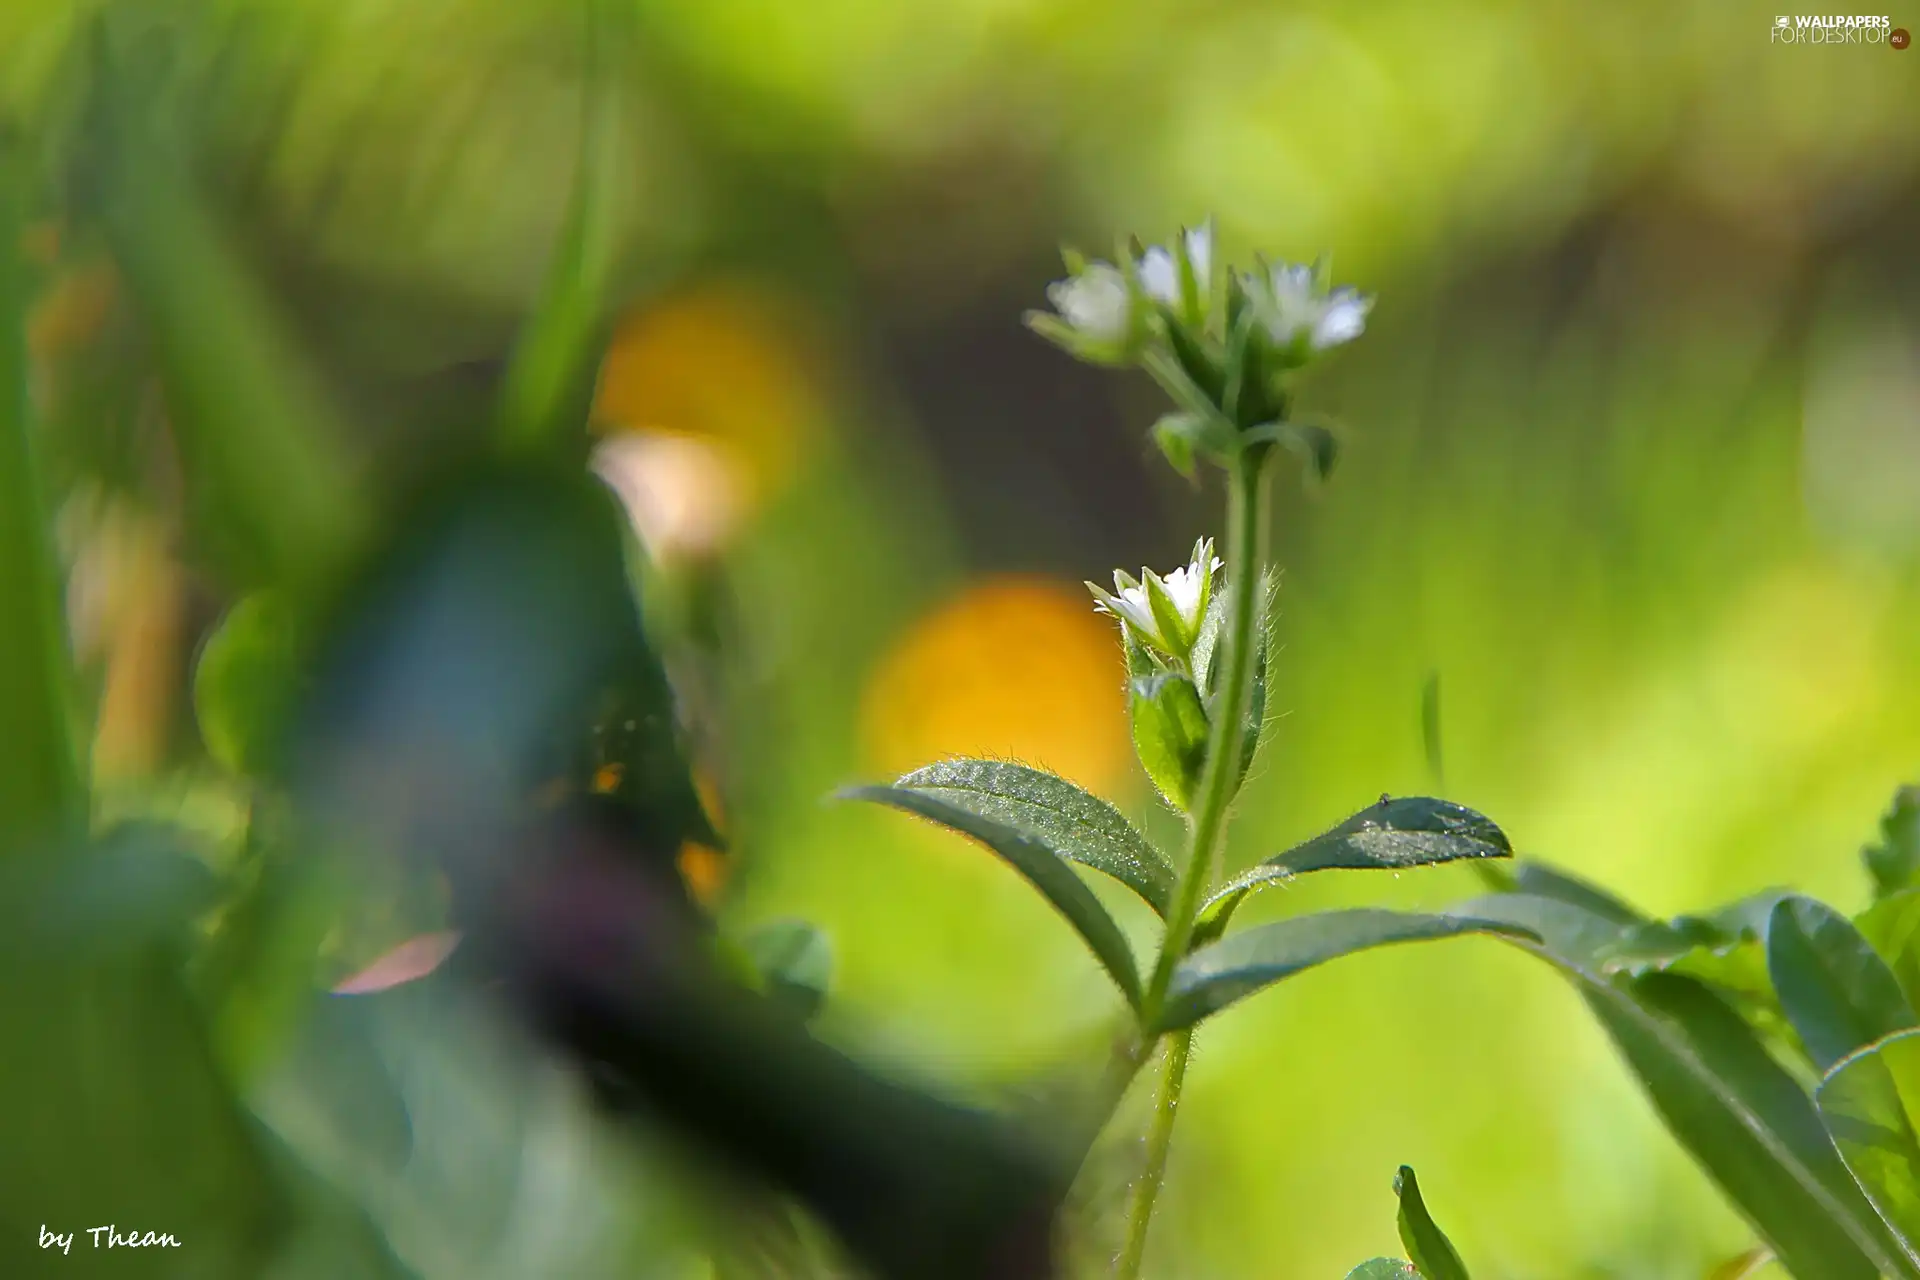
1393,835
1043,868
1074,823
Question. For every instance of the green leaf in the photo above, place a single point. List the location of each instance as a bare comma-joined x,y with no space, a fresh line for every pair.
1169,733
1075,824
1044,869
1891,927
1721,1094
1384,1269
549,383
1724,949
246,684
1743,1265
1839,995
1216,976
1426,1244
42,791
263,448
1393,835
795,963
1894,862
1540,880
1870,1101
112,1050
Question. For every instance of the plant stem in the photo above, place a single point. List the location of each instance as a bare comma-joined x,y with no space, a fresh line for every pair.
1246,546
1159,1140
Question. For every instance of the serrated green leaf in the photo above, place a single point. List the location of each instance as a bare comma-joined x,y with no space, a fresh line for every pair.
1895,861
1725,1099
1393,835
1839,995
1044,869
794,961
1384,1269
1216,976
1891,927
1432,1253
1075,824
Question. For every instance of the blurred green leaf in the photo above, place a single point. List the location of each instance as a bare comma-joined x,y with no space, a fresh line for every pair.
1215,976
42,792
1075,824
1891,927
131,1120
1751,1127
549,383
246,682
1894,862
258,970
1540,880
1839,995
262,446
794,962
1043,868
1384,1269
1426,1244
1393,835
1743,1265
1869,1103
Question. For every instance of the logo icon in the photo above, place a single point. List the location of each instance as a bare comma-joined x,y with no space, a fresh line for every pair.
1899,38
1783,21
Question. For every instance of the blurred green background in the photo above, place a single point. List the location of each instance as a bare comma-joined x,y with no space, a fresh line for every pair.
1632,462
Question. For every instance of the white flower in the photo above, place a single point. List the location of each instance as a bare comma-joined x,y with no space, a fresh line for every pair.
1095,302
1163,613
1160,273
1291,306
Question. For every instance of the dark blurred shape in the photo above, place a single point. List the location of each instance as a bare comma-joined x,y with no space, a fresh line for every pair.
503,621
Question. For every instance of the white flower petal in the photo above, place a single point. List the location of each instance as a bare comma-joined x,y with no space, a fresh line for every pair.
1343,319
1200,253
1160,276
1095,302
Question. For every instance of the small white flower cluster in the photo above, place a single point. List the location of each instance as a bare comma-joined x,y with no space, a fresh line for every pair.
1105,312
1163,613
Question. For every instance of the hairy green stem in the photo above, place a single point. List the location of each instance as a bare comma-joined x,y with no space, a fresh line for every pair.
1159,1141
1246,546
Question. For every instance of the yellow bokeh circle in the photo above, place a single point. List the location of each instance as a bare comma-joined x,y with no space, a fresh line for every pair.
1012,668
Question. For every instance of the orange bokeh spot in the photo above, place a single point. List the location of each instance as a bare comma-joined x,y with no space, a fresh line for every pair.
1013,668
722,364
705,872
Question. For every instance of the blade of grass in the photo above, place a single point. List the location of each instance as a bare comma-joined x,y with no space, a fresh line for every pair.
42,792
